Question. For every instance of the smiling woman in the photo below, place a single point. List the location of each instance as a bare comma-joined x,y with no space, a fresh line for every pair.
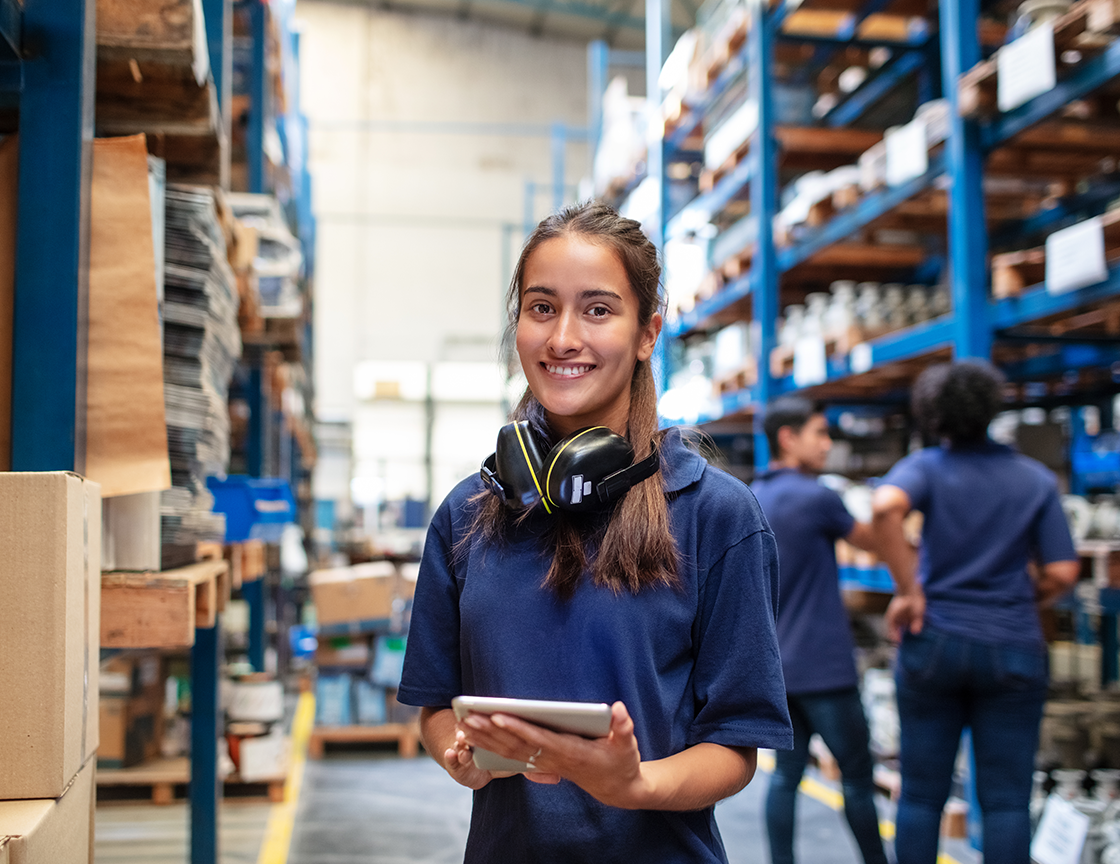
661,603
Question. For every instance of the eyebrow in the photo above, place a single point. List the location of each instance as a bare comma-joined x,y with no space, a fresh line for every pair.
583,295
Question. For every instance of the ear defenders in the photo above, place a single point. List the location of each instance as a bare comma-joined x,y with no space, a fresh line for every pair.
589,470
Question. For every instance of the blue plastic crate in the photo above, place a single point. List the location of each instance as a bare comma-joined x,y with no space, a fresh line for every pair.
255,508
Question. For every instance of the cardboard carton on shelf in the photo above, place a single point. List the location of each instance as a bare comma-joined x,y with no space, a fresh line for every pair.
50,830
50,539
130,709
363,592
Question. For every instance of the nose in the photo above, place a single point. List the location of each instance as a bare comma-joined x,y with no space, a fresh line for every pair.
566,335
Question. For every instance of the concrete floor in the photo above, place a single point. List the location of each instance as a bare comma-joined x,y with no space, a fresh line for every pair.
369,807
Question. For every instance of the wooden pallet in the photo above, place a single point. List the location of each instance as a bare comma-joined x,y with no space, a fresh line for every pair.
165,781
1014,271
161,609
405,735
1088,27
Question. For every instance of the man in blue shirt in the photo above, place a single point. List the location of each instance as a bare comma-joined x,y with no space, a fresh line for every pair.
814,634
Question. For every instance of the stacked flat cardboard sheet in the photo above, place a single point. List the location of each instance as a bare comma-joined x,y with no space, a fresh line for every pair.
201,345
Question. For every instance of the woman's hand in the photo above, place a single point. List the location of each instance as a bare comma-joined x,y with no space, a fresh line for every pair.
607,768
440,736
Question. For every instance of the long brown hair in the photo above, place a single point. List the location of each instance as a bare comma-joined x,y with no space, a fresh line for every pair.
632,547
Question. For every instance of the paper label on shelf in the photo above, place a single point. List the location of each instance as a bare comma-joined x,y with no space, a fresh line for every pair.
1061,833
810,363
907,153
1075,257
1026,68
861,359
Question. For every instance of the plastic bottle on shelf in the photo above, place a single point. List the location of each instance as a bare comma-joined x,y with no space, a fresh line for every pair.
868,309
792,325
841,315
816,310
940,300
1038,797
917,304
894,303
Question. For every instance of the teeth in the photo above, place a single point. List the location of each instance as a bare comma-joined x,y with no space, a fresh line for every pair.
568,371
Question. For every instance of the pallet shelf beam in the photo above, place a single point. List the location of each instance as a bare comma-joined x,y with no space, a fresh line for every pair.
1090,75
51,309
738,290
870,208
896,70
1037,302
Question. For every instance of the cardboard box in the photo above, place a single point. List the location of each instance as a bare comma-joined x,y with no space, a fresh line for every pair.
343,651
50,589
264,757
50,831
363,592
131,728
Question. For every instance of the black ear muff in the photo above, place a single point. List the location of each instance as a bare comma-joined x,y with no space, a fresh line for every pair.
589,470
515,468
593,468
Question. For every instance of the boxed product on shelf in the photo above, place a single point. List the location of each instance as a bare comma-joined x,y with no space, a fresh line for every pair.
363,592
332,700
130,710
343,652
262,757
388,661
370,708
50,539
53,830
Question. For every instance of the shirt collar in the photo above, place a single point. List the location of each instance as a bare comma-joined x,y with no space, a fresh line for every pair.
680,465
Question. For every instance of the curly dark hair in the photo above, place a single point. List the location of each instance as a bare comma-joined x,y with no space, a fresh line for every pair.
957,401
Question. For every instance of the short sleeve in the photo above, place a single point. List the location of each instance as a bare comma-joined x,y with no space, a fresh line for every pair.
1050,533
738,674
836,521
431,676
909,474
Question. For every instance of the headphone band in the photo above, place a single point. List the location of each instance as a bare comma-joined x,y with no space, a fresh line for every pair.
621,481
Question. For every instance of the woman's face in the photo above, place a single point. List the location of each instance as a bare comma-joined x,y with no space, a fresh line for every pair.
578,334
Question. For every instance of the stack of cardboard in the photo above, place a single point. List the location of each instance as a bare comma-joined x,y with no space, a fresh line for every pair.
50,534
201,346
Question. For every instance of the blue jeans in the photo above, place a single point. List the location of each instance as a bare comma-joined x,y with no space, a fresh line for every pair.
837,716
945,683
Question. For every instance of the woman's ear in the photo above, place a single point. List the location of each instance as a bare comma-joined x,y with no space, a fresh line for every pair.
649,337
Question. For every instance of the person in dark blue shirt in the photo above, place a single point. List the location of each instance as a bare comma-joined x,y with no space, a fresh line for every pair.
972,652
814,633
662,605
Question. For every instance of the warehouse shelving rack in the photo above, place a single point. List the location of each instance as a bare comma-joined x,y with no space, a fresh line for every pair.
1018,333
978,326
47,79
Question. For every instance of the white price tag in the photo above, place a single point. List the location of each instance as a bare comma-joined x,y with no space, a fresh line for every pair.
810,363
1075,257
1061,833
907,153
861,359
1026,67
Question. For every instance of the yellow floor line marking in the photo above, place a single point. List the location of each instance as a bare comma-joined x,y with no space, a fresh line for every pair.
834,799
278,833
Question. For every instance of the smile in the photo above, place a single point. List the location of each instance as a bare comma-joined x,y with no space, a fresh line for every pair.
567,371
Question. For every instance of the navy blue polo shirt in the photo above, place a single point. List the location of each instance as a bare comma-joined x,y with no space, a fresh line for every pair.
814,634
988,509
694,663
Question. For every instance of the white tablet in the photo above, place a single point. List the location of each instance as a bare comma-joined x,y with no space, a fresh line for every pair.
589,719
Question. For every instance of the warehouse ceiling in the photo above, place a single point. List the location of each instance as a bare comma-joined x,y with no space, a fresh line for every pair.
620,23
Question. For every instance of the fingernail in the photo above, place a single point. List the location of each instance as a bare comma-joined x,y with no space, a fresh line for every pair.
499,721
473,722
